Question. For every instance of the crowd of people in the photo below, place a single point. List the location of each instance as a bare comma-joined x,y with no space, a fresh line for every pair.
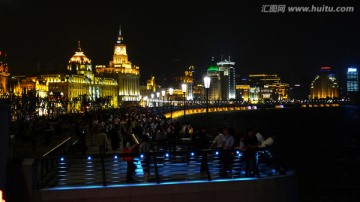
136,129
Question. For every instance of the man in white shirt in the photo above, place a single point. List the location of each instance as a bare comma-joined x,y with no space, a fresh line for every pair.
219,140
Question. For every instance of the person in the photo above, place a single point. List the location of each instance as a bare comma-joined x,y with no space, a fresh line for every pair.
131,167
218,141
145,148
114,139
102,141
251,145
227,151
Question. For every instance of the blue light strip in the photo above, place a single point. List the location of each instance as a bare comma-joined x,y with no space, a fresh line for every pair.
166,183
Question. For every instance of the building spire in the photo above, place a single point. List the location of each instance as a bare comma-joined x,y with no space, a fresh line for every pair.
119,38
79,47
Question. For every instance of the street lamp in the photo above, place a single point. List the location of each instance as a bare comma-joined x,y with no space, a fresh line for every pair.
163,96
146,100
207,86
183,87
157,96
171,91
152,98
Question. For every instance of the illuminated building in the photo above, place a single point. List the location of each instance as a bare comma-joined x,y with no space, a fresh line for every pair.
267,87
4,75
78,85
352,83
25,85
120,68
243,91
215,90
150,87
228,83
324,86
188,79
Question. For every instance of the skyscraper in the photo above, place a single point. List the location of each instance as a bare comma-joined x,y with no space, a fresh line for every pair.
352,80
228,84
324,85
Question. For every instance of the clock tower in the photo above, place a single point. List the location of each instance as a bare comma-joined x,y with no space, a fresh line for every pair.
120,56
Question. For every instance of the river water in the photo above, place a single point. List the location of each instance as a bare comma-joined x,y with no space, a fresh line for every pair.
320,144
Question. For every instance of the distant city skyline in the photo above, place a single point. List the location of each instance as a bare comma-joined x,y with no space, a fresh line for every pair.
164,38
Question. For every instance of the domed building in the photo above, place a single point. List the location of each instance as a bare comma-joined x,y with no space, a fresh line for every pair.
215,91
79,86
324,86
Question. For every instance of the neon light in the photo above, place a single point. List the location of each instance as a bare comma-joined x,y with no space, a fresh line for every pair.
351,69
115,157
89,158
192,154
217,153
142,156
62,159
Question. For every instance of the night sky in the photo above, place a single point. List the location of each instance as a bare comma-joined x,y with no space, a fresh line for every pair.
165,37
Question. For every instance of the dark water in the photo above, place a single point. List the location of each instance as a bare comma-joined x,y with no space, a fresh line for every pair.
320,144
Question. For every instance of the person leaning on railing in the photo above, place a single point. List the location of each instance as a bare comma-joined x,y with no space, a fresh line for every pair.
251,144
131,167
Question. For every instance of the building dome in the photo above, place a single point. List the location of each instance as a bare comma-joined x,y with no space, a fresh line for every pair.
79,57
213,68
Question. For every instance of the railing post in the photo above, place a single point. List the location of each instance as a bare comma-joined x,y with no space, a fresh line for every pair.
204,155
103,170
156,169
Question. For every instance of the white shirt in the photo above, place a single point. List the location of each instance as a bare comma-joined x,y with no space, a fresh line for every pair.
267,142
219,140
229,142
259,137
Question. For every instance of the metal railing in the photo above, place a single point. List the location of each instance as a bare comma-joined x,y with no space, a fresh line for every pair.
111,169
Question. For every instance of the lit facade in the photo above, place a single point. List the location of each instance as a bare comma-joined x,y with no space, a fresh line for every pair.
267,87
4,75
324,86
215,90
228,85
78,86
188,79
352,80
120,68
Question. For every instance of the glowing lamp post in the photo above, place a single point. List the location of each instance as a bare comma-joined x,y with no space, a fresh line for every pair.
157,96
152,98
163,96
183,87
207,86
171,91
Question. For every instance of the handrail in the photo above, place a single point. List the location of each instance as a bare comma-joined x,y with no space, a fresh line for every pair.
46,173
57,146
